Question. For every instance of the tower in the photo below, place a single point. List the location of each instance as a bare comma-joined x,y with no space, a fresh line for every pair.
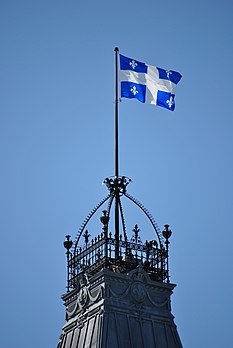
118,288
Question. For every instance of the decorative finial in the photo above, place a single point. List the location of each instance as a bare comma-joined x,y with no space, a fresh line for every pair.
86,236
104,218
68,243
166,232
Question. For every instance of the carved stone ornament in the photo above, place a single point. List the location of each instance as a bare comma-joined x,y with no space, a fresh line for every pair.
138,291
82,296
84,299
139,275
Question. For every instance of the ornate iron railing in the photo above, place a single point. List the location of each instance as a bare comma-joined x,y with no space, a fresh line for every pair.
99,253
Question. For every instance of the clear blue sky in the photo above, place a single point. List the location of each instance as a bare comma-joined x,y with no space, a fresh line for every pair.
56,147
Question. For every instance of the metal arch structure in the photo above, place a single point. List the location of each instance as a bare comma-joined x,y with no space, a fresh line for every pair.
117,252
88,218
122,183
150,217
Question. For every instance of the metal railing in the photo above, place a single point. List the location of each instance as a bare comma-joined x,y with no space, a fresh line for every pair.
99,253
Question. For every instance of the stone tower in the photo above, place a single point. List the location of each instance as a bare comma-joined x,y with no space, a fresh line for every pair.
118,289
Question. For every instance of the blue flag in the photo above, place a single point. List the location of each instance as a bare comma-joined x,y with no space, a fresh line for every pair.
147,83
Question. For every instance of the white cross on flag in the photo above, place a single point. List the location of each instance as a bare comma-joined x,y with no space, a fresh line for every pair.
147,83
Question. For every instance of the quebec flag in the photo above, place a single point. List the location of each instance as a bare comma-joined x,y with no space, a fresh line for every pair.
147,83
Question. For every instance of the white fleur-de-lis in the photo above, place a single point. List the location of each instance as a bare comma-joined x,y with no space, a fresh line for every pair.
170,102
134,90
133,64
168,74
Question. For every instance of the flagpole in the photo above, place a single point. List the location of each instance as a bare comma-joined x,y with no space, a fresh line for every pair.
116,158
116,114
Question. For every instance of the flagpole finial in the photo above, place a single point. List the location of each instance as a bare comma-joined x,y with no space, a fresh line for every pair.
116,49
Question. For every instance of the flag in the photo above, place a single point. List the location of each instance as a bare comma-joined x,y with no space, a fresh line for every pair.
147,83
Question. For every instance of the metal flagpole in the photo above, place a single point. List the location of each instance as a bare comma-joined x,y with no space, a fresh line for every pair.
116,114
116,158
